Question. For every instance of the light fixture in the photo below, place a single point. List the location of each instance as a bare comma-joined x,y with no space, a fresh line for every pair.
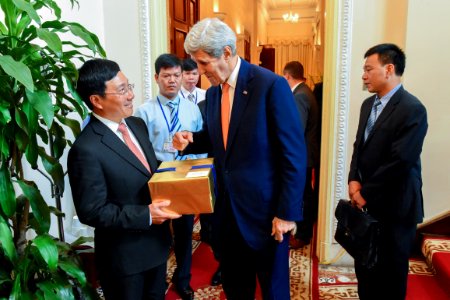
290,17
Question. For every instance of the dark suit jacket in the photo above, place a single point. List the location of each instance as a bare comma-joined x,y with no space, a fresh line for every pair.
263,169
110,193
388,163
309,115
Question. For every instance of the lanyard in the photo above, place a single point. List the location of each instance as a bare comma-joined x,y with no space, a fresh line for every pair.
165,118
184,97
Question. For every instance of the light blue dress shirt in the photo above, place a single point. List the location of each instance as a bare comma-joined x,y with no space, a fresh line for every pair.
156,114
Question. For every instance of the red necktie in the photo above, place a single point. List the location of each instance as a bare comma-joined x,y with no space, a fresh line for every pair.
225,112
126,136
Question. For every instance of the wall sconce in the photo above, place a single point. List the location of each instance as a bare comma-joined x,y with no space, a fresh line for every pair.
220,15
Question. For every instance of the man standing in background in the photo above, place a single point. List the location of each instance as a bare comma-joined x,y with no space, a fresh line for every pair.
309,115
189,80
164,116
385,172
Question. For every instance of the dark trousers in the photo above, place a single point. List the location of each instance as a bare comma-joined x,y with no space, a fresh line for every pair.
388,278
209,233
242,265
310,208
182,233
148,285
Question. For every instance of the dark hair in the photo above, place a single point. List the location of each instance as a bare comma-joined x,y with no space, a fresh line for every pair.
92,78
389,54
165,61
189,64
295,69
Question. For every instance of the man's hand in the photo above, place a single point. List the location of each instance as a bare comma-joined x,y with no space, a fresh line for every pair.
182,139
280,227
160,213
353,187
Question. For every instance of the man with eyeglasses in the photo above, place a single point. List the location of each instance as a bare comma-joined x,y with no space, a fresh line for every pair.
164,116
109,166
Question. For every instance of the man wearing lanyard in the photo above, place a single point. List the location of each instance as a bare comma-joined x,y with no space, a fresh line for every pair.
164,116
189,80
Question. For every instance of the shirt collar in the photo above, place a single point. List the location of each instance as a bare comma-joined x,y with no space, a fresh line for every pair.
385,99
232,80
165,100
110,124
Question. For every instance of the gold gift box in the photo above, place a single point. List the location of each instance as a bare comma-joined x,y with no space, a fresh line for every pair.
188,184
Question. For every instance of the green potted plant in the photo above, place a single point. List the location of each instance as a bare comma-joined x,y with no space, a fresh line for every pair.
37,68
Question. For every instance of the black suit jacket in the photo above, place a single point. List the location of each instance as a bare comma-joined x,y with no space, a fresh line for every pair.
388,163
110,193
309,114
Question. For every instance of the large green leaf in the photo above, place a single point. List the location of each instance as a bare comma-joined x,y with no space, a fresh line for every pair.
18,70
31,152
40,209
28,8
52,39
48,250
5,115
53,167
72,124
17,288
73,270
6,240
8,196
55,291
41,101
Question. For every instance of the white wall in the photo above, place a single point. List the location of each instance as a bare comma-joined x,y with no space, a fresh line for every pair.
420,28
428,74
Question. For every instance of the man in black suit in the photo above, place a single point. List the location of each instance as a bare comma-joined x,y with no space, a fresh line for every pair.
110,192
385,172
309,115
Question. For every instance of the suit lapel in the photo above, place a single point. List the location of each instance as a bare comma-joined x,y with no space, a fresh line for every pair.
240,101
387,111
113,142
145,143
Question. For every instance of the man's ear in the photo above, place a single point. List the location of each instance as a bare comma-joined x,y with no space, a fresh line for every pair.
96,101
227,53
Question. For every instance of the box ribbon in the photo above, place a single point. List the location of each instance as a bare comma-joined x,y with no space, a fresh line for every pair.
213,170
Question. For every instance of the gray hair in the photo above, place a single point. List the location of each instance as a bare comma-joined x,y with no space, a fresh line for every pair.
210,35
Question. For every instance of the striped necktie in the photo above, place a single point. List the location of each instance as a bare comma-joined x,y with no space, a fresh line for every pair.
175,124
191,98
372,118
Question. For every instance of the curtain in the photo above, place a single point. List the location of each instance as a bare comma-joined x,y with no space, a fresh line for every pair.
287,50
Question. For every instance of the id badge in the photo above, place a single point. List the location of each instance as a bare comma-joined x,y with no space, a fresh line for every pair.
168,146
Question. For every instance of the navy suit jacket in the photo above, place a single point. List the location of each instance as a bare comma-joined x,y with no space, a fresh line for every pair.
262,172
110,193
388,163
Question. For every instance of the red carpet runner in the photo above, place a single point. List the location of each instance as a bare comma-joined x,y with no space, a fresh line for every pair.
302,268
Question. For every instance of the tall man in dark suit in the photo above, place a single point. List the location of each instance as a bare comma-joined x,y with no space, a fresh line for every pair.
385,172
309,115
110,192
254,131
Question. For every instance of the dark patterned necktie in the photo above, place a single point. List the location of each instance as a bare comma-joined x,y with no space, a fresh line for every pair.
372,118
191,98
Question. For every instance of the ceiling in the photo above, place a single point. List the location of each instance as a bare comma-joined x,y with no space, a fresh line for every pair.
307,9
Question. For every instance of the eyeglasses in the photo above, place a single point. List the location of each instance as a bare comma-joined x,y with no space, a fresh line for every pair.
123,91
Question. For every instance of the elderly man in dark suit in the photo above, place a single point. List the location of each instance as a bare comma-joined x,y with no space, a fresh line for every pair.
109,166
255,134
385,172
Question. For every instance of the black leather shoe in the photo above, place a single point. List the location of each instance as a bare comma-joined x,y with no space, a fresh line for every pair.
216,278
186,293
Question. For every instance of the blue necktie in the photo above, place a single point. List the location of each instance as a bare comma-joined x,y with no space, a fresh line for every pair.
372,118
175,124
